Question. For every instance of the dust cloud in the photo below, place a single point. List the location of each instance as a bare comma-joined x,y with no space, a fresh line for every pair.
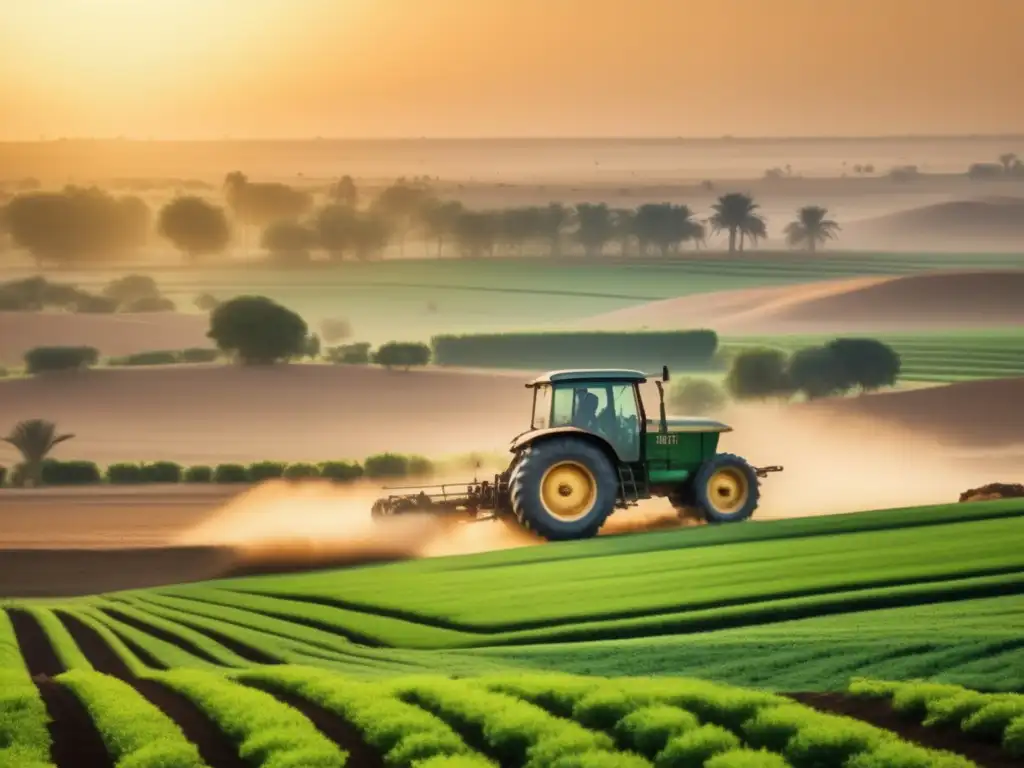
832,464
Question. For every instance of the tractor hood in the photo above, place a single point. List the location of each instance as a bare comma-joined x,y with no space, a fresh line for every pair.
688,424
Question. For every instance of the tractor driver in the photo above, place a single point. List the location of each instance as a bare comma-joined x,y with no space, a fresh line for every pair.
586,410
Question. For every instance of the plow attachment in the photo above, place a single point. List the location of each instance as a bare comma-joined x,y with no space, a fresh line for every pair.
467,499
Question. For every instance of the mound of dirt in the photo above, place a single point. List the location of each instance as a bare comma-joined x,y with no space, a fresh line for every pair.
986,414
932,300
994,491
113,335
210,413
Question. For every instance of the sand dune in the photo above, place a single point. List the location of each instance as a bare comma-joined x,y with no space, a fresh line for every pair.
112,335
941,299
987,218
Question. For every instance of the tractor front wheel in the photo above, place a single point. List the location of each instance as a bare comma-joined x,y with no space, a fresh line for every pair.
563,488
726,489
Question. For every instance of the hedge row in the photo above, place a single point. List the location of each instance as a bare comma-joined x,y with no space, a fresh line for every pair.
645,350
380,466
168,357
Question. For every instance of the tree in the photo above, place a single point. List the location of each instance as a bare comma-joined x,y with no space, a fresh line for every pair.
206,302
34,439
75,226
552,222
335,227
596,227
520,226
817,372
696,396
1008,160
624,221
334,329
258,330
131,288
194,226
476,232
371,233
398,354
811,228
262,203
311,348
665,226
289,242
344,192
736,214
438,219
757,374
866,363
399,204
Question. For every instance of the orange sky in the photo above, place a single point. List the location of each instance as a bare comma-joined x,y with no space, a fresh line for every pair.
395,68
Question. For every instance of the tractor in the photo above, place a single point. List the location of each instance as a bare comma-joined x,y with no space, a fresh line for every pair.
591,449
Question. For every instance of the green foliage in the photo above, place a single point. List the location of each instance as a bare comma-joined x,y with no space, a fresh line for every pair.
898,754
156,357
693,748
1013,738
150,304
124,473
288,243
198,474
398,354
746,758
130,288
268,733
648,729
866,363
42,359
384,465
230,473
340,471
55,472
34,439
24,739
3,475
194,226
265,470
992,720
584,349
161,472
198,355
695,396
301,471
311,347
757,374
817,372
349,354
257,330
134,731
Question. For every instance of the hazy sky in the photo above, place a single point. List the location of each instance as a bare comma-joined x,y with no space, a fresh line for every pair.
395,68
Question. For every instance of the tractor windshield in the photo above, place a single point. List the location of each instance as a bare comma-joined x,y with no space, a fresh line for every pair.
541,407
609,409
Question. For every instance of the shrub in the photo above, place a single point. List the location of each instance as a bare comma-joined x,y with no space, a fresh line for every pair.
757,374
206,302
156,357
866,363
198,474
817,372
773,727
199,355
694,748
311,347
88,304
830,743
70,473
150,304
265,470
300,471
42,359
124,473
953,710
992,720
258,330
230,473
3,475
696,396
395,465
161,472
899,754
340,471
399,354
746,758
601,709
131,288
648,729
349,354
1013,738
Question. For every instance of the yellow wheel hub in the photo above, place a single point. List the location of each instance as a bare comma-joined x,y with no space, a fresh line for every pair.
728,490
568,490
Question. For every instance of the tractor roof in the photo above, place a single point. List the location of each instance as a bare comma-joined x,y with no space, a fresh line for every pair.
589,374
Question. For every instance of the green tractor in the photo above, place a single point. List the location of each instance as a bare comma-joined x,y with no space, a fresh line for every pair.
591,449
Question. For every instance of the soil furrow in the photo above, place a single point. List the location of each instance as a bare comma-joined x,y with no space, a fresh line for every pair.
880,714
162,634
334,727
213,745
36,648
76,742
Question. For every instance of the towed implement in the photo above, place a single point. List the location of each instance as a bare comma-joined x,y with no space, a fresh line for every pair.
591,449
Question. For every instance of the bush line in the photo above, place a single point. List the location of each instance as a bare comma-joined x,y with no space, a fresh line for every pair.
380,466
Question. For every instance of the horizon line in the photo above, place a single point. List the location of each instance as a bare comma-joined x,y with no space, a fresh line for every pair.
566,138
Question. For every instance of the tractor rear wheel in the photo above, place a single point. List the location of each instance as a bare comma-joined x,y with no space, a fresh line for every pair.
726,489
563,488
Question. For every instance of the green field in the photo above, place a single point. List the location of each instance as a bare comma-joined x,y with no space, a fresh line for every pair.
389,299
623,648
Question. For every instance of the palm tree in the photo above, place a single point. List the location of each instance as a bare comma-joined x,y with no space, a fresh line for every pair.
811,227
736,214
34,439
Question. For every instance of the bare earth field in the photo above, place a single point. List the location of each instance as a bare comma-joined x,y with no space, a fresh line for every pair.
112,335
929,301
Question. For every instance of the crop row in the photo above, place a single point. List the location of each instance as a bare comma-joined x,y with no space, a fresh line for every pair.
77,472
997,717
